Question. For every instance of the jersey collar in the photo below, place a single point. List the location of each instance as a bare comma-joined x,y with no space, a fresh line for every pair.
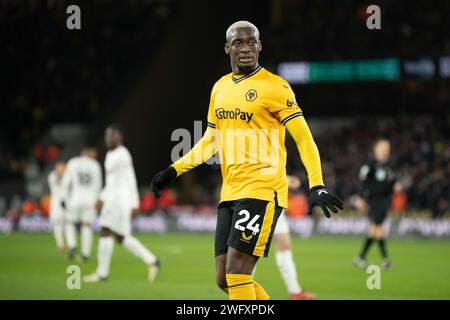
236,80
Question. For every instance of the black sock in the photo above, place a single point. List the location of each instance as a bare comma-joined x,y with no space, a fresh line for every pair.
383,250
366,247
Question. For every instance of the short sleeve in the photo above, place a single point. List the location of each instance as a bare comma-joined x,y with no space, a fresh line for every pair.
363,172
282,102
211,111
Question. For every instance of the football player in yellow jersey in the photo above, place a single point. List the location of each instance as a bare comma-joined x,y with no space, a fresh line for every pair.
249,111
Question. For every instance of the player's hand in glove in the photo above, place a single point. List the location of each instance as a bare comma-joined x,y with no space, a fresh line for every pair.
63,204
320,196
163,179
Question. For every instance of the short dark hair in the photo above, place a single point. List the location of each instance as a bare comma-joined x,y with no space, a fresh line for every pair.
89,147
381,138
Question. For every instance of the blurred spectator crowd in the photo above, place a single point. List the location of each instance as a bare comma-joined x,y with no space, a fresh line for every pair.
51,74
331,30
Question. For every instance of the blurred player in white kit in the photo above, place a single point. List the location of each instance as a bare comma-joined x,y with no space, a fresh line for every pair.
56,210
283,255
82,183
118,202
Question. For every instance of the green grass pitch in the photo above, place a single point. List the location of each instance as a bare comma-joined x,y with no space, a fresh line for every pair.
31,268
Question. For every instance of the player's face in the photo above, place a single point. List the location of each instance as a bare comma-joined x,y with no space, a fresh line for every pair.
112,138
59,168
382,151
243,49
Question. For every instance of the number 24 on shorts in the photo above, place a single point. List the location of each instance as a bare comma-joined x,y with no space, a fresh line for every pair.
252,225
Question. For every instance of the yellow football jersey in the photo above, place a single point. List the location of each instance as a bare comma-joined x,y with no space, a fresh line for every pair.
248,114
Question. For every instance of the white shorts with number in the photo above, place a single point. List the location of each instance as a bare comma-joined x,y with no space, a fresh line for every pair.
282,224
117,218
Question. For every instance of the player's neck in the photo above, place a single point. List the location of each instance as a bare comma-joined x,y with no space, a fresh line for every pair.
243,71
115,147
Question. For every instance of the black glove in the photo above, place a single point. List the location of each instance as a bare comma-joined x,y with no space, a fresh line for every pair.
63,204
162,179
320,196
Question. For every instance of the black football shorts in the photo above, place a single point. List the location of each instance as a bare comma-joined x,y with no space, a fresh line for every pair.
378,209
246,225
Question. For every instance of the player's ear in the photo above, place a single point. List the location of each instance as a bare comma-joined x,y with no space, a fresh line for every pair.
227,48
260,46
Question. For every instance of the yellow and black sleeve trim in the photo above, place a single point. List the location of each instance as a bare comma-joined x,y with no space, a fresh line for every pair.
211,125
292,116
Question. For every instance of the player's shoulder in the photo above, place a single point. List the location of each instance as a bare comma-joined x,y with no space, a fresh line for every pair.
94,165
123,152
91,161
368,164
97,163
367,167
222,80
364,171
73,161
275,79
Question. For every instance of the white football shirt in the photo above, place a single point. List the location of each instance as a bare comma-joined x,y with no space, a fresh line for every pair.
121,185
82,181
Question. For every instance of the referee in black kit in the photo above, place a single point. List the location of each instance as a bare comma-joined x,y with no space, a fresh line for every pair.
378,180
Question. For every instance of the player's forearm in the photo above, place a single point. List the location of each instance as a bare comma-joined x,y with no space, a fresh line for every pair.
299,130
202,151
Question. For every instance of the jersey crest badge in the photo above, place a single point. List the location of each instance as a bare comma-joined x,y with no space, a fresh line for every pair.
251,95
